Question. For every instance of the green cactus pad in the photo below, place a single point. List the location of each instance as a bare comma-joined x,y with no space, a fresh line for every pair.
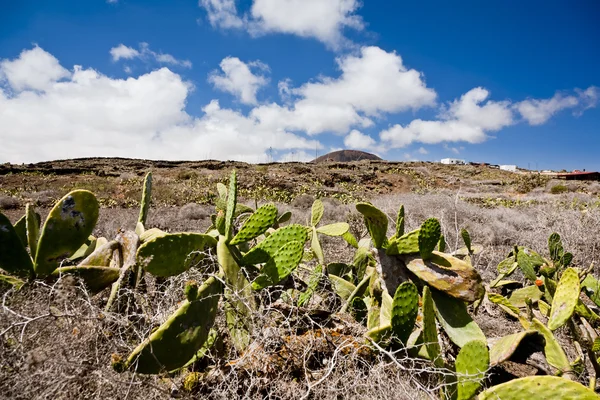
146,199
555,247
385,314
342,287
85,250
472,362
503,348
455,320
405,245
430,333
174,253
337,229
447,274
519,296
555,355
240,301
466,238
380,334
315,246
544,308
400,222
285,260
32,223
21,230
316,212
222,191
529,261
539,388
508,266
262,252
429,236
96,278
13,256
67,227
150,234
565,299
257,224
442,244
405,307
231,203
376,221
591,287
311,286
177,340
283,218
505,304
102,255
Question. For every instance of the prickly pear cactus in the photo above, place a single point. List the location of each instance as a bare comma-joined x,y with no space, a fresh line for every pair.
177,340
13,256
174,253
376,221
429,236
466,238
21,230
405,307
316,212
400,222
337,229
32,223
405,244
555,247
67,227
472,362
231,203
555,355
449,274
258,223
102,255
503,348
262,252
455,320
96,278
285,260
146,199
565,299
430,333
539,387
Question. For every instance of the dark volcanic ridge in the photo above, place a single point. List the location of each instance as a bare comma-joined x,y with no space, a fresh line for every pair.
345,156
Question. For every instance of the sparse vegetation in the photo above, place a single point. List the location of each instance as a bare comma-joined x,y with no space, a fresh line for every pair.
558,189
265,304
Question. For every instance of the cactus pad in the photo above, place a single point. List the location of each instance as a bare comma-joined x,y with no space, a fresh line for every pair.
447,274
429,236
555,247
21,230
400,222
555,355
539,387
32,223
591,287
173,254
337,229
503,348
376,221
466,238
455,320
13,256
231,203
519,296
342,287
405,244
146,199
257,224
472,362
316,212
430,333
405,307
285,260
565,299
177,340
102,255
150,234
262,252
67,227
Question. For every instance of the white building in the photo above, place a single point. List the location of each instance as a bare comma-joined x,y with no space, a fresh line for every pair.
511,168
452,161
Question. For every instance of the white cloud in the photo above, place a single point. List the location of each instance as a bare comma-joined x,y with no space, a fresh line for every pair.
359,141
324,20
298,156
34,69
371,83
90,114
539,111
145,53
237,78
467,119
422,150
123,52
222,13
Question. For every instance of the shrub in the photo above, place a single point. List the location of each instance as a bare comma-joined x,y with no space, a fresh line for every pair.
558,189
8,203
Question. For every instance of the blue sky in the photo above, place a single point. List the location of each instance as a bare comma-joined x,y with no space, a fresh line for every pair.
507,82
